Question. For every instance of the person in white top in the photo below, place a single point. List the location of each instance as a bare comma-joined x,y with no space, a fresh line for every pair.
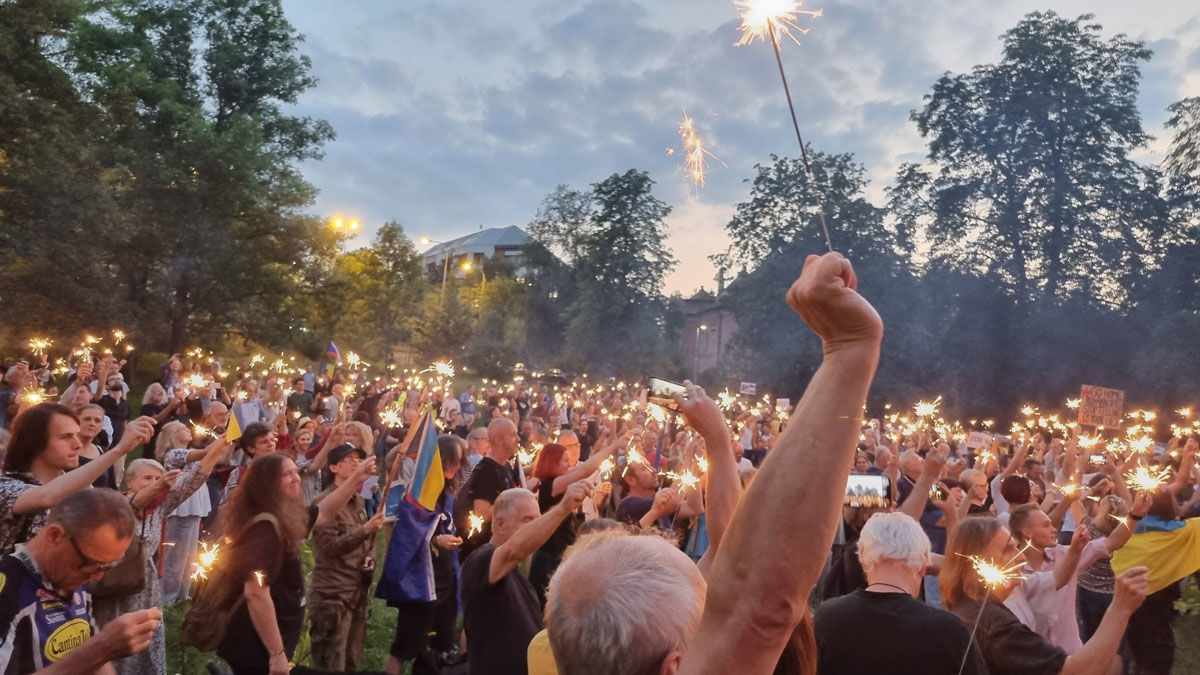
1054,608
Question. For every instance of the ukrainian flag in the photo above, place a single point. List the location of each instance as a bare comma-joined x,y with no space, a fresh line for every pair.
428,479
236,425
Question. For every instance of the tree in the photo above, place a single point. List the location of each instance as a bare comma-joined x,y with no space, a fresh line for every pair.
204,161
1032,179
396,266
616,320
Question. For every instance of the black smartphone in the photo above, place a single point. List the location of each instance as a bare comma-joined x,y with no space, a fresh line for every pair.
867,491
662,392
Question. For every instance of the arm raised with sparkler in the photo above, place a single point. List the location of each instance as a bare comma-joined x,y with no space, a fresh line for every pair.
776,543
724,484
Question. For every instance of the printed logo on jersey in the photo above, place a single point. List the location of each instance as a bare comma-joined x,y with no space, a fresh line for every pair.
3,581
65,638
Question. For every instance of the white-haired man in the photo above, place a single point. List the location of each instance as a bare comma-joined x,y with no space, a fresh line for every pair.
908,636
753,612
501,612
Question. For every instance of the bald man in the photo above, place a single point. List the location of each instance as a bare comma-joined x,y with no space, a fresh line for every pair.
501,612
491,476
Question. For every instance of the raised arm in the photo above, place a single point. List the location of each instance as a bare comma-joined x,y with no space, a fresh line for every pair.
775,546
533,534
724,483
336,500
45,496
914,506
584,469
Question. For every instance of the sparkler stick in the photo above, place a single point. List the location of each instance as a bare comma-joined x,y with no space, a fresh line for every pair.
760,18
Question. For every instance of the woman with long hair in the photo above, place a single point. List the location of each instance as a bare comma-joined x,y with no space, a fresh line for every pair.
554,473
1009,646
183,523
423,543
266,521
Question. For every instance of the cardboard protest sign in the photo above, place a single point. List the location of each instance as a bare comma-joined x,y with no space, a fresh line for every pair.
978,439
749,389
1101,407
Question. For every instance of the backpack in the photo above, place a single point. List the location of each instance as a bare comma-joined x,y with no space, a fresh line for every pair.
215,603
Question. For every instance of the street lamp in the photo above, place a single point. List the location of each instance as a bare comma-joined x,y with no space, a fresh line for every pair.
696,347
467,268
339,223
445,261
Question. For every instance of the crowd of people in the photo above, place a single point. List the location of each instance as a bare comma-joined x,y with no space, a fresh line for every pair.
574,527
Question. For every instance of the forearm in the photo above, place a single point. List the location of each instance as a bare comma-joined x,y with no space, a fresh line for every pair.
262,615
762,579
1059,511
46,496
528,539
1098,652
914,505
1064,571
724,487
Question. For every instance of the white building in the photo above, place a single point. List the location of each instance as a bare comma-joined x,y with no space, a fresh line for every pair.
475,248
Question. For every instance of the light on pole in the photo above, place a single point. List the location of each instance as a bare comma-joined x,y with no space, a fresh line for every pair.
445,259
696,348
467,267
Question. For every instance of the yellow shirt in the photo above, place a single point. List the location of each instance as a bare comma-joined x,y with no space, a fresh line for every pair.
540,656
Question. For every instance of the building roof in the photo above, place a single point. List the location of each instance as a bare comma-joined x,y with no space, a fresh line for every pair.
511,236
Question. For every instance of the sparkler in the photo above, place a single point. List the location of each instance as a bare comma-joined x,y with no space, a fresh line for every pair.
606,468
1073,403
475,522
992,575
696,154
205,560
927,408
1146,479
259,576
39,345
763,18
1123,520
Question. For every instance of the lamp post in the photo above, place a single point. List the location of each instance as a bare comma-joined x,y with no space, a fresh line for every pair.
467,267
445,259
696,348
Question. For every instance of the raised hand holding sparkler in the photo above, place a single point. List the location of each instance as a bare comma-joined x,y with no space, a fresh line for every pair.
771,18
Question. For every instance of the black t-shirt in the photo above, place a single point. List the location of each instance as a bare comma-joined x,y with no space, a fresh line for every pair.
117,412
487,481
500,619
1009,647
906,636
564,534
258,549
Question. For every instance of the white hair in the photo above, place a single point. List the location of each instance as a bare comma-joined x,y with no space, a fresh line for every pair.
505,501
620,603
140,464
896,537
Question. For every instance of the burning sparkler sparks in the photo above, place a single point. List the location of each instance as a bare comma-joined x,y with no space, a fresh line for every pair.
763,18
39,345
927,408
475,521
1145,479
992,575
696,153
606,468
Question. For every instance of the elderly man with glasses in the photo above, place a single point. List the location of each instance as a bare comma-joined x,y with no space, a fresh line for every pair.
45,608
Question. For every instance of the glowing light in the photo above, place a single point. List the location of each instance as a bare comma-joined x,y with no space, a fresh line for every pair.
39,345
475,522
1145,479
927,408
1073,403
606,468
992,575
258,577
771,18
695,152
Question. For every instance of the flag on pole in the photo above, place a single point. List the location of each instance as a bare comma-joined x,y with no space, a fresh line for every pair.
334,357
236,425
428,479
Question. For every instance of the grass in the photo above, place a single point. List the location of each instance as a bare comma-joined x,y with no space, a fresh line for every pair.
381,626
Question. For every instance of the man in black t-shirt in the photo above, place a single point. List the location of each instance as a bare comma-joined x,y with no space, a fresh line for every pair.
501,612
908,636
489,478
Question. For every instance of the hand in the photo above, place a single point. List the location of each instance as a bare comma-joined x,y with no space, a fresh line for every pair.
1131,589
826,298
129,633
1141,504
701,412
364,469
447,541
1191,447
935,460
575,494
1080,538
278,665
137,432
83,374
165,480
375,523
666,501
605,489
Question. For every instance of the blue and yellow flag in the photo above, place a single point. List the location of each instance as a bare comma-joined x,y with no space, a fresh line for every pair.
333,358
428,479
233,430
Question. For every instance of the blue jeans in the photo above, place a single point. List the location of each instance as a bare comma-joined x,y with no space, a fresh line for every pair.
933,592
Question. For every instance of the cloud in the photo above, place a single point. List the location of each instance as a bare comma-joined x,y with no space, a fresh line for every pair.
455,114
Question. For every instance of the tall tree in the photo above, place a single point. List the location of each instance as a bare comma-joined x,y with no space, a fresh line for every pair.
1033,181
616,322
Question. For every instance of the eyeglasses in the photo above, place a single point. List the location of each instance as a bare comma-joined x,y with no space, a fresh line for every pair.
91,566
